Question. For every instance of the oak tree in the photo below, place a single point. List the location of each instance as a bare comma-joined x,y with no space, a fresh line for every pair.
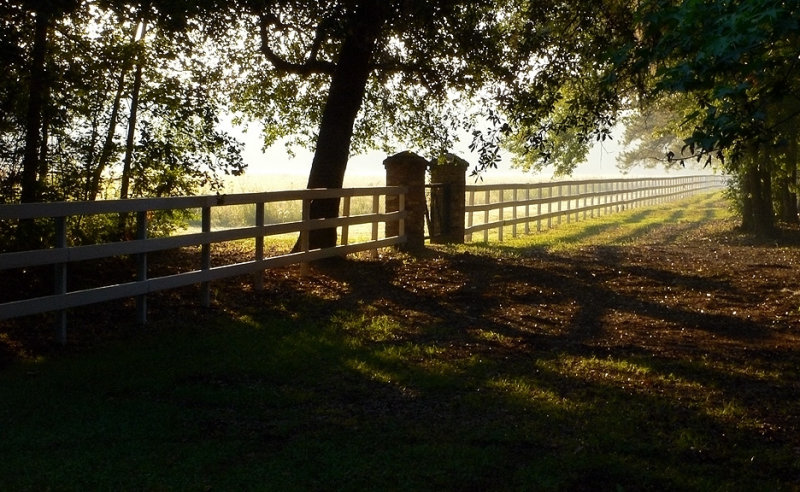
347,74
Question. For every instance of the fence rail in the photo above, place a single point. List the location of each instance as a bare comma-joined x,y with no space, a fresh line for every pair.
62,254
500,206
488,208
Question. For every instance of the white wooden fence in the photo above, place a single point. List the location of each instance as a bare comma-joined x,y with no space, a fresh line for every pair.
62,254
497,207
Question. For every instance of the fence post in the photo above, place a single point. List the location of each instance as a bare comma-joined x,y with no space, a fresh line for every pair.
487,199
501,213
514,213
259,275
470,217
376,208
61,280
585,199
407,169
205,258
569,202
539,209
450,171
141,267
527,210
345,227
305,240
560,198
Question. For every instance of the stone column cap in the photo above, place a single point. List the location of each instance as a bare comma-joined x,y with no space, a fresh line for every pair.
405,157
449,159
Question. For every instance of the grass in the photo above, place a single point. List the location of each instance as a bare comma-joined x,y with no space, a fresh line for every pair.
260,402
272,398
616,229
232,216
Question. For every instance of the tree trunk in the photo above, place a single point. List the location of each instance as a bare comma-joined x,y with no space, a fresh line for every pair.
758,216
345,96
124,186
748,183
44,167
127,162
765,213
108,144
788,185
93,187
787,201
36,96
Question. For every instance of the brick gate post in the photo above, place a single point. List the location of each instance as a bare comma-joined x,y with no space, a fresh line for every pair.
450,171
407,169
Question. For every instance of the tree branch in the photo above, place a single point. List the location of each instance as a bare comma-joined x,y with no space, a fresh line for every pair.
319,37
709,154
426,76
310,66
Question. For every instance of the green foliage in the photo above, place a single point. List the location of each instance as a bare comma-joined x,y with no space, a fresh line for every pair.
91,53
733,64
559,100
429,59
565,147
736,58
655,134
712,82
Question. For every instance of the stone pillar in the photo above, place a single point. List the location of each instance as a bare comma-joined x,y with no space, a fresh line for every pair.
450,172
407,169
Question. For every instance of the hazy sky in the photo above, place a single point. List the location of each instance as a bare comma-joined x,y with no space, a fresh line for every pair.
601,162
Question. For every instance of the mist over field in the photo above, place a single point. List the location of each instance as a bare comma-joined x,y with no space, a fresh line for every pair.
277,169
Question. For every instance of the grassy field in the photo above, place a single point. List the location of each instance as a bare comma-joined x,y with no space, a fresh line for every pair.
319,383
618,229
234,216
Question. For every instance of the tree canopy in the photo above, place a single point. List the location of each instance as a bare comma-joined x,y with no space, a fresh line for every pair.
344,75
737,62
70,95
561,98
123,98
423,57
722,78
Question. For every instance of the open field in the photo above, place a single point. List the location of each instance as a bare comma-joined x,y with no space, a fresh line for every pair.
655,349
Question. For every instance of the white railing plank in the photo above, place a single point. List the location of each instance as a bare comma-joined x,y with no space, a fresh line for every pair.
65,209
62,255
589,197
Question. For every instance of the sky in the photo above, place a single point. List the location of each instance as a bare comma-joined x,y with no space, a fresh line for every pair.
600,163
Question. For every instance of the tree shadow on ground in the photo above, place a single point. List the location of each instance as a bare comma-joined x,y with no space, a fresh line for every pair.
553,398
603,368
541,306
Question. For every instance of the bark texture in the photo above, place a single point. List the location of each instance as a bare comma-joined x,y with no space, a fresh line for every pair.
346,93
37,88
